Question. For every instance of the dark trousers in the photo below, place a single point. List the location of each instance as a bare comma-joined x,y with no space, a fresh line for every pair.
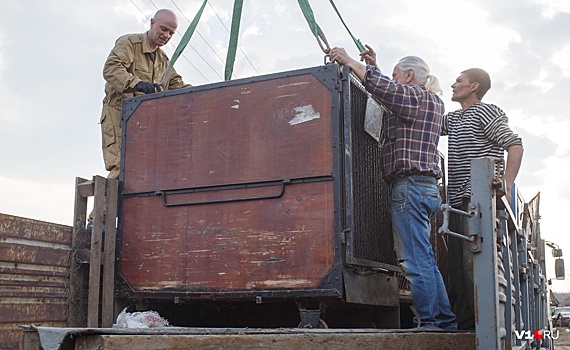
460,267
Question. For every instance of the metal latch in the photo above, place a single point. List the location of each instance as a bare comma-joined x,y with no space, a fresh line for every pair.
474,237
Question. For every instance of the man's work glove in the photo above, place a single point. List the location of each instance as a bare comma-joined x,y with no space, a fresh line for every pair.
148,88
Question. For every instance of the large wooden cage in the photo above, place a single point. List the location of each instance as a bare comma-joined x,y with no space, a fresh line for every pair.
265,189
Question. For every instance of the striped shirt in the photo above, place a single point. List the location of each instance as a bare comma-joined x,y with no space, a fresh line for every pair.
481,130
411,131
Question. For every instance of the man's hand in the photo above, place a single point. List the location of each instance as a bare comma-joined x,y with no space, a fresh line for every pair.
369,57
148,88
339,55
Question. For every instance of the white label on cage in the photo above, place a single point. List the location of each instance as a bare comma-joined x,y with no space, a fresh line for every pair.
373,118
304,114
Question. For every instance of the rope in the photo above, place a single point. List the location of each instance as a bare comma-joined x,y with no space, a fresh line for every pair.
317,31
230,59
181,46
356,41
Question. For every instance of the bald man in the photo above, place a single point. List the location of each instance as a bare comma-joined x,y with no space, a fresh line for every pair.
134,67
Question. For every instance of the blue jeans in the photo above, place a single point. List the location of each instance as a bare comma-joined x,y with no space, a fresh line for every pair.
413,201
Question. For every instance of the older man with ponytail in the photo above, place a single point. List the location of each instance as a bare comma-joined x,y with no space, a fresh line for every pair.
410,164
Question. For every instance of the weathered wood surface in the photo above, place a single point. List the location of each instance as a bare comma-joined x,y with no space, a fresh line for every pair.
425,341
80,255
34,268
268,130
174,338
92,271
108,313
258,131
244,245
96,253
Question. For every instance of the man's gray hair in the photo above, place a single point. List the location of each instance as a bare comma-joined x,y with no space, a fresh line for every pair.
421,70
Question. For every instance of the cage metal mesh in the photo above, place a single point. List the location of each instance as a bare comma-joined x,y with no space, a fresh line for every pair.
372,223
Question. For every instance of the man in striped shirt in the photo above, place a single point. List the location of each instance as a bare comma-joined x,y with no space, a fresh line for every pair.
477,130
410,164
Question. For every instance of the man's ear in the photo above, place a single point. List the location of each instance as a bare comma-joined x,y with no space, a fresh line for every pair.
410,76
475,86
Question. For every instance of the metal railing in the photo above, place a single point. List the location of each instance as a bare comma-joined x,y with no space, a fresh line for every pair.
511,287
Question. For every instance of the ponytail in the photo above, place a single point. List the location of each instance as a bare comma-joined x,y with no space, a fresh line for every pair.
432,84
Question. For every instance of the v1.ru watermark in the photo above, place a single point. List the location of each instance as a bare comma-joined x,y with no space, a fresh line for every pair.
536,335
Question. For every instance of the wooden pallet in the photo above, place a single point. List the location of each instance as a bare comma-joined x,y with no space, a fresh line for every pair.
93,267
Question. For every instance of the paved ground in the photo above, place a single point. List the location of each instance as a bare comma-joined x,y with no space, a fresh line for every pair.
563,341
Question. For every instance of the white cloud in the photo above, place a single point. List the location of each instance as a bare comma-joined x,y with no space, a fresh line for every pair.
551,7
562,59
553,129
252,30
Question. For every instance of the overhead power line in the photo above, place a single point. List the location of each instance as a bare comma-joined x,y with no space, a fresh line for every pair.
227,30
207,43
197,32
193,48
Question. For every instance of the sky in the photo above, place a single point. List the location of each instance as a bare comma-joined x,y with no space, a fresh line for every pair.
51,85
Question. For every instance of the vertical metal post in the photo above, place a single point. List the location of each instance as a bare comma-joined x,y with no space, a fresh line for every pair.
489,331
518,325
536,299
543,288
525,283
508,262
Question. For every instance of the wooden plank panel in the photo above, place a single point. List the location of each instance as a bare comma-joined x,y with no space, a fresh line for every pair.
34,288
33,283
108,290
325,341
284,243
256,131
28,252
8,337
37,311
13,268
18,227
96,253
29,340
78,274
34,265
262,130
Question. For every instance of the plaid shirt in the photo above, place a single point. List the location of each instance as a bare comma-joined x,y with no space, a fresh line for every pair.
410,133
